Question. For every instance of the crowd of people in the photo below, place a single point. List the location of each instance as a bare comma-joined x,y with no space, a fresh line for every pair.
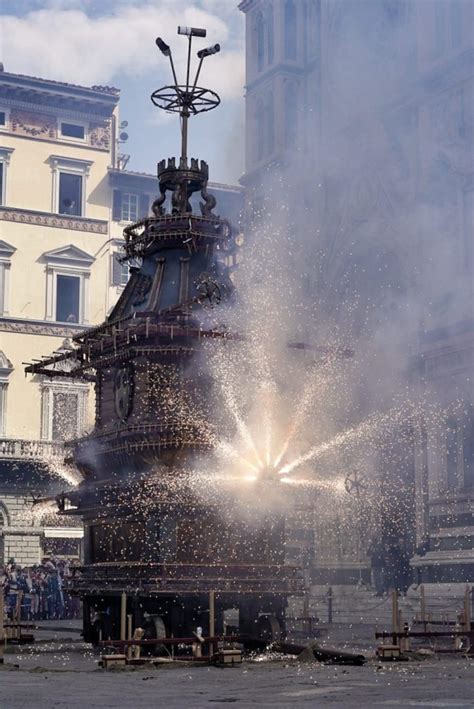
37,592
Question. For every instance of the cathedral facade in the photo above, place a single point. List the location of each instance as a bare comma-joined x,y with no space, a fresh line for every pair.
366,110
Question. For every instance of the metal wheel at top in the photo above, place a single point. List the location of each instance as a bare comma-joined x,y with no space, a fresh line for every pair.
173,98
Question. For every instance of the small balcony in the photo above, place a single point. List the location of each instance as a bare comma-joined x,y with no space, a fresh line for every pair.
21,449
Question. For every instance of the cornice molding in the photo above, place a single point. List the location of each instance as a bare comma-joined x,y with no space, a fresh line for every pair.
39,327
58,111
58,221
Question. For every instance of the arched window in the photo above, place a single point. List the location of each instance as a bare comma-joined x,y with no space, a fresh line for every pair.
270,35
260,40
270,114
290,29
291,114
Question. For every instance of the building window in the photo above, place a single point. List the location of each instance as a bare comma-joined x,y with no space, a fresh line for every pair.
5,154
440,29
453,449
129,206
68,297
64,416
290,29
69,185
468,446
120,271
291,115
63,411
6,369
313,27
129,212
260,132
75,131
260,41
456,11
70,194
67,284
3,118
468,228
6,252
270,35
270,114
3,408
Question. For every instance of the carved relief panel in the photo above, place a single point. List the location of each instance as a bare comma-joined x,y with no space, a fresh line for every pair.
34,125
99,135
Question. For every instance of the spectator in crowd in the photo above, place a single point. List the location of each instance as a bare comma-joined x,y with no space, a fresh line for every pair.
38,591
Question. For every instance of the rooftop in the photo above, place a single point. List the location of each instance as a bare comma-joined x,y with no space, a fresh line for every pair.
33,89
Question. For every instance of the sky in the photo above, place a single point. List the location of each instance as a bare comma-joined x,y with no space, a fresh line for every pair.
112,42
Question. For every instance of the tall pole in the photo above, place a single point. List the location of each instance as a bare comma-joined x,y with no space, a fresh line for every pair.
188,69
184,133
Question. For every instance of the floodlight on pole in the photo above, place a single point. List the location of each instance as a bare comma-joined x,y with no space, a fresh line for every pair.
163,47
186,99
191,31
202,54
209,51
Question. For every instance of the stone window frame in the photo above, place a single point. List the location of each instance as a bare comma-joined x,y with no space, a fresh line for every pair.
5,155
61,264
48,389
6,111
71,166
75,122
6,252
6,368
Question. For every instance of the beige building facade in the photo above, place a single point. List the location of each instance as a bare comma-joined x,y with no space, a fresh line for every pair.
57,142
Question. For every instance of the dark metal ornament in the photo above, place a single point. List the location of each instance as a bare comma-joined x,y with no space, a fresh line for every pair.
123,391
174,98
209,292
355,482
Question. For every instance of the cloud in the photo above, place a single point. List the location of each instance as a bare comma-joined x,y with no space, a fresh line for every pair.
67,44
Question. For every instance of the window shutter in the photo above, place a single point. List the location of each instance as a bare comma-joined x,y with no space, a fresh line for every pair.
116,270
117,206
143,205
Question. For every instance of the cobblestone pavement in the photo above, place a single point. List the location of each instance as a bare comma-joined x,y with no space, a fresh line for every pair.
60,671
